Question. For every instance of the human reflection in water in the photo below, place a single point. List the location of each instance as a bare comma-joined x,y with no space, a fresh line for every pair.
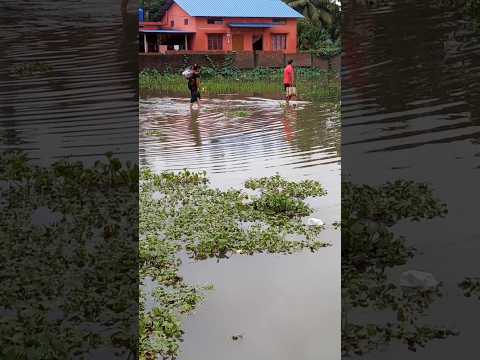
194,128
288,121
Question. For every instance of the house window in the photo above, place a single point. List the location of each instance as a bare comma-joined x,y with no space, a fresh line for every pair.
279,21
279,42
212,21
215,42
172,23
185,21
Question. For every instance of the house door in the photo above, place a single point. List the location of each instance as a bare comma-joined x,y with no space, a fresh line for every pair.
257,42
237,42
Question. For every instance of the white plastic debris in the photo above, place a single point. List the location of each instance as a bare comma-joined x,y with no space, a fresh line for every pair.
418,279
187,73
315,222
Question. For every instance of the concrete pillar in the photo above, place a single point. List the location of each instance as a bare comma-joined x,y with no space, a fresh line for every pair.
145,44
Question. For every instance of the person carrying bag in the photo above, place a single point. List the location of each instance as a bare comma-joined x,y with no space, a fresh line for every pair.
289,81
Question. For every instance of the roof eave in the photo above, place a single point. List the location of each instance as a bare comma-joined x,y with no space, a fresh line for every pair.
300,17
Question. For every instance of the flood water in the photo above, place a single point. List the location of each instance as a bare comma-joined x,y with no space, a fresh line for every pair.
285,307
411,111
57,98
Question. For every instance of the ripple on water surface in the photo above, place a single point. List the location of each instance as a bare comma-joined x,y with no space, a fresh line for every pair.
242,135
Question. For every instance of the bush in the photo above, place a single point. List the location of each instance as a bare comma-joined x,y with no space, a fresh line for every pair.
317,40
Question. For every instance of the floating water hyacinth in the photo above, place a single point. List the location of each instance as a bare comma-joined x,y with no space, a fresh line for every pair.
180,212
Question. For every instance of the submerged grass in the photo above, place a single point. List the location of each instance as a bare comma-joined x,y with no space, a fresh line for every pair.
312,84
180,212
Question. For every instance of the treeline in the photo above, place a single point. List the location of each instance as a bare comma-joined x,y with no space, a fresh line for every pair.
318,32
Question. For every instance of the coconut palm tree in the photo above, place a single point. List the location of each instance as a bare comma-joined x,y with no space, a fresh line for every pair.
322,13
319,12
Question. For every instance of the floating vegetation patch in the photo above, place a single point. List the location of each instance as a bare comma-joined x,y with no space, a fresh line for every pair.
181,212
153,133
69,242
31,69
471,287
238,113
370,250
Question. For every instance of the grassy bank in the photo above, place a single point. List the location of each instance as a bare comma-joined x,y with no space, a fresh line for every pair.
312,84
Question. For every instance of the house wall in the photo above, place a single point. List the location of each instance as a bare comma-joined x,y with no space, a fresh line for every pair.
176,14
202,29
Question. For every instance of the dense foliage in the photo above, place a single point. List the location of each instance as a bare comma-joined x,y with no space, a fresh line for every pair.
181,213
320,30
154,9
369,251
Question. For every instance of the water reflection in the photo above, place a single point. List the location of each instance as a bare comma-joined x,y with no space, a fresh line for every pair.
433,79
57,99
289,120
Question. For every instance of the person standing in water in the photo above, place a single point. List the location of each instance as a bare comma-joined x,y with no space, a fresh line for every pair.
194,86
289,81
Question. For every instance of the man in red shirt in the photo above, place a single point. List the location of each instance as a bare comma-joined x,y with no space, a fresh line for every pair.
289,81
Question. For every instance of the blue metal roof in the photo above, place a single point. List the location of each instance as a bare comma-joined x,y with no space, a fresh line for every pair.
250,25
161,31
236,8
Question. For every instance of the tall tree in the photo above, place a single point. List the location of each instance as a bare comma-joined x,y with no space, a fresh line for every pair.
154,9
320,16
318,12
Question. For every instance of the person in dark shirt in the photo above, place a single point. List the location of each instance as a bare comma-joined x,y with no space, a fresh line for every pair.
194,86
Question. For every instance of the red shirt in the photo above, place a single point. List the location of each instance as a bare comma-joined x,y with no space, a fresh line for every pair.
289,75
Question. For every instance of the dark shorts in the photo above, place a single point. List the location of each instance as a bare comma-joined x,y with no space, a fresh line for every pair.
194,95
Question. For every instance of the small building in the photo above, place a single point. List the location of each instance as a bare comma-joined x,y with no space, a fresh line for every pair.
221,26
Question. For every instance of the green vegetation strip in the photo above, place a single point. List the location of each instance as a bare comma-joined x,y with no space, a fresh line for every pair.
181,213
312,84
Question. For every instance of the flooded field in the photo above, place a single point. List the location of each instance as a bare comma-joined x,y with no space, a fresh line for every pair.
280,307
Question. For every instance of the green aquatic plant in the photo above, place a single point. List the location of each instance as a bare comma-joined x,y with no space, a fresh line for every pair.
154,133
369,250
29,69
182,213
239,113
471,287
69,276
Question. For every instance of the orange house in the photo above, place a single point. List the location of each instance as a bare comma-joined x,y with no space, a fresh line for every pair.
222,26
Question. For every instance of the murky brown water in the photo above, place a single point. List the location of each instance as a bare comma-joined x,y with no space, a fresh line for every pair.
410,110
68,86
286,307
